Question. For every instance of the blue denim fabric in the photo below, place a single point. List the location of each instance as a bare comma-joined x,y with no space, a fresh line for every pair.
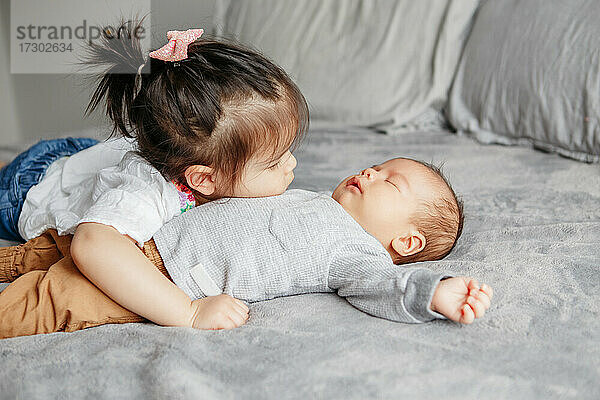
27,170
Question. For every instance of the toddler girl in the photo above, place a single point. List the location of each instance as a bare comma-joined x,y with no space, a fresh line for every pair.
199,120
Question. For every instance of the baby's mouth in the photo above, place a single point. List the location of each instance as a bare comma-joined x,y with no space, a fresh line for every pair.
354,182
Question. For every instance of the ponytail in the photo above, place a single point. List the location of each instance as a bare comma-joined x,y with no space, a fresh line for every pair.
121,54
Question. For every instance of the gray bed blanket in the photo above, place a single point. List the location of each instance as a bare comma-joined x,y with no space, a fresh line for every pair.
532,232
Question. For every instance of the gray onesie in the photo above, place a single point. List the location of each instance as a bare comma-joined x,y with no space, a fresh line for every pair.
299,242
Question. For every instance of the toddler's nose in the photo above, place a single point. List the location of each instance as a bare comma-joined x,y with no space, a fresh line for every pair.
291,163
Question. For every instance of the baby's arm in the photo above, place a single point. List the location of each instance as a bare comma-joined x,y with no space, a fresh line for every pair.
373,284
116,265
461,299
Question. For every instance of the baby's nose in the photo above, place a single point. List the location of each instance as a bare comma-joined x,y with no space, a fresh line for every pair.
369,172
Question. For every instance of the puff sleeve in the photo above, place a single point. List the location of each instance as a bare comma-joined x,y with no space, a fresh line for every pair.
133,197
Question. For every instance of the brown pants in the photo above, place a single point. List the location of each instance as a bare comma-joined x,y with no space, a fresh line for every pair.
48,293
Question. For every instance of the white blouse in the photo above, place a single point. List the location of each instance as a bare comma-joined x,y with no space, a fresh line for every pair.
106,183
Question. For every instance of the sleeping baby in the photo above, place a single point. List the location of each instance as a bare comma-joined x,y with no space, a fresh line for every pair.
255,249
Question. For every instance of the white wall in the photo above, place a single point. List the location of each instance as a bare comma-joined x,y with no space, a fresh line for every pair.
9,130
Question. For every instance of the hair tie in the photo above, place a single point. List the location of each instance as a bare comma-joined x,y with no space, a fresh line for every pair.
176,48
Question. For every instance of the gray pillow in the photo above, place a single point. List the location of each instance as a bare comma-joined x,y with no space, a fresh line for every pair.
373,63
530,74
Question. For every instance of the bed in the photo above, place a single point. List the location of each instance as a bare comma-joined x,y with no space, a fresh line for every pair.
532,232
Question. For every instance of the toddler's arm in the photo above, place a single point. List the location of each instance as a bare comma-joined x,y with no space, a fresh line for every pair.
461,299
116,265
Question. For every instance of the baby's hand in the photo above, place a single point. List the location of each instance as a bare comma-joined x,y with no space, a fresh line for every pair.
219,312
461,299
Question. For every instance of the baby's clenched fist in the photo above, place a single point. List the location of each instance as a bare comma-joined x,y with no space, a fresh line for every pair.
219,312
461,299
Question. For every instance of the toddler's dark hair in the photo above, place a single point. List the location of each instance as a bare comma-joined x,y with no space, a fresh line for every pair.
440,221
219,107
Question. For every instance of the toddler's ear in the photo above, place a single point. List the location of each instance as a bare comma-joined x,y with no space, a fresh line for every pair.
409,244
201,178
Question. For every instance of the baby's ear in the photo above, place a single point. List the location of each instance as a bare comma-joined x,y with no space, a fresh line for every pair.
201,178
409,244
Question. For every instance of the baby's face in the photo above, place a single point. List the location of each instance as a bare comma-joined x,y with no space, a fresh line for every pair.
384,197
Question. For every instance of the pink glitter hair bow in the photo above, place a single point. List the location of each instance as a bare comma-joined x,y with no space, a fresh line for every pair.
176,49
